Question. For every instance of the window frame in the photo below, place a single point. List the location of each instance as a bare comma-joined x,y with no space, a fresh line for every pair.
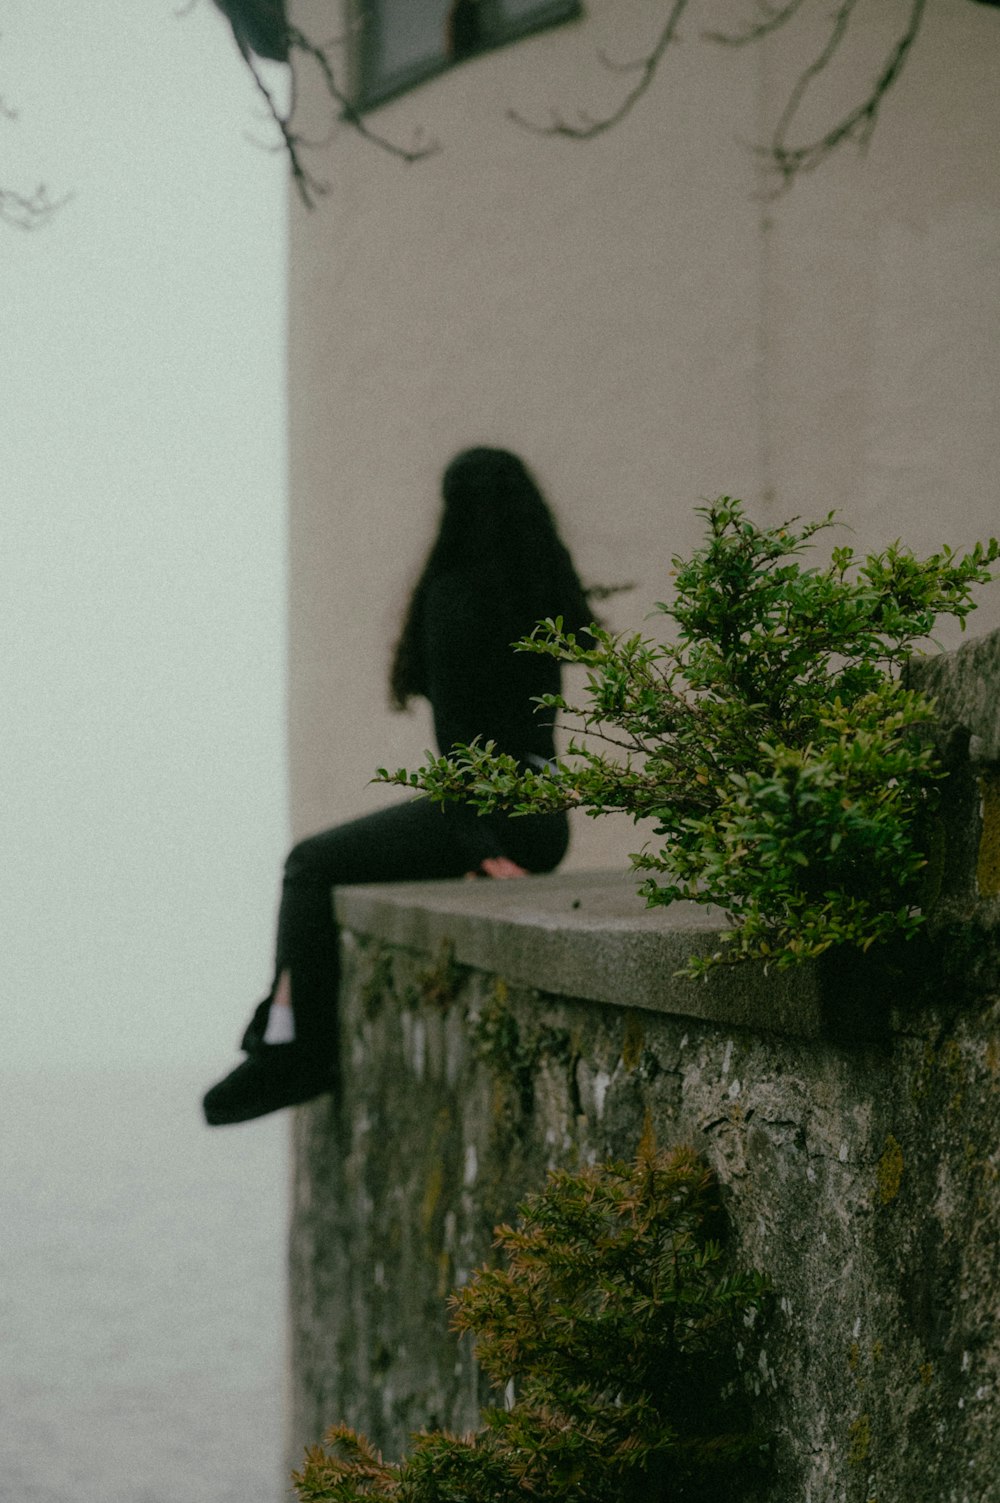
369,90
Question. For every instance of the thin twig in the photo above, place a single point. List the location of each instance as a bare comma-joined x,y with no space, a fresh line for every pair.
646,67
786,160
29,211
859,123
349,111
292,142
309,187
760,29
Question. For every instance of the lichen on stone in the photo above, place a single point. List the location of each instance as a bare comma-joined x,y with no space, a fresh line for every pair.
988,860
890,1171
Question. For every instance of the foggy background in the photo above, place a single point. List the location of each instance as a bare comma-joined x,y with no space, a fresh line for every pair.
141,606
143,807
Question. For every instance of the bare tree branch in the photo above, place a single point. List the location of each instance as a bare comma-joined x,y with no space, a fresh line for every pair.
309,187
858,124
785,158
29,211
349,112
774,16
841,21
293,143
646,67
26,211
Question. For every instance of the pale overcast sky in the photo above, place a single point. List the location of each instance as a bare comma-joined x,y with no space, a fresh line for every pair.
142,531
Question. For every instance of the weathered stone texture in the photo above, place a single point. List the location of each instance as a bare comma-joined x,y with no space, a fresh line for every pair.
862,1178
964,684
493,1031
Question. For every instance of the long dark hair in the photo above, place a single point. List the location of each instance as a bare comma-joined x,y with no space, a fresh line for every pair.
496,528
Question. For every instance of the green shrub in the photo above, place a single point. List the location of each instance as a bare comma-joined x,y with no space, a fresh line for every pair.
614,1321
784,762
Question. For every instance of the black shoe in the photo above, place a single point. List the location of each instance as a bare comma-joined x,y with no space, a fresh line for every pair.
253,1035
271,1077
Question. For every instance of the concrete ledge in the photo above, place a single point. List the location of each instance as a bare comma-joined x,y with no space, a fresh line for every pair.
587,935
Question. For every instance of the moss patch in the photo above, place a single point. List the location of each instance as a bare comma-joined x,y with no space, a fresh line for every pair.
861,1440
438,984
633,1039
988,862
889,1174
378,986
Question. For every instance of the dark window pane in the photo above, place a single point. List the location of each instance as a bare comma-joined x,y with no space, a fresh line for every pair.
400,43
541,10
411,33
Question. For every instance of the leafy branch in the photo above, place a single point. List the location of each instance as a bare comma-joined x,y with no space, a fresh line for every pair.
786,768
615,1318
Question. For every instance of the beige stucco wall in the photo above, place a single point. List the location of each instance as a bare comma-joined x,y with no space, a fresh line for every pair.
640,323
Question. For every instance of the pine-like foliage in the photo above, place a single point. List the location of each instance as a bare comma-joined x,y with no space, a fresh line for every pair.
613,1321
773,743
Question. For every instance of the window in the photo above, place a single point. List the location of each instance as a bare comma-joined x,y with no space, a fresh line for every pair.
400,43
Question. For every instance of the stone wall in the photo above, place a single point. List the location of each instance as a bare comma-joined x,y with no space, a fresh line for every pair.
492,1031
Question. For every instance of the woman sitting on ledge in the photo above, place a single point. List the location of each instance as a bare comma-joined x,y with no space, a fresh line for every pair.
496,568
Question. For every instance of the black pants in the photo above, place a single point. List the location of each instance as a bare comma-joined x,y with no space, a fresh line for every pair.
414,841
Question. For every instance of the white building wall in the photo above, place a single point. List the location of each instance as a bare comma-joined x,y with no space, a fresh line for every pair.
640,323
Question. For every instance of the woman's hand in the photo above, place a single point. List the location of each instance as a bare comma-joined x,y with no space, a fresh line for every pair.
500,867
